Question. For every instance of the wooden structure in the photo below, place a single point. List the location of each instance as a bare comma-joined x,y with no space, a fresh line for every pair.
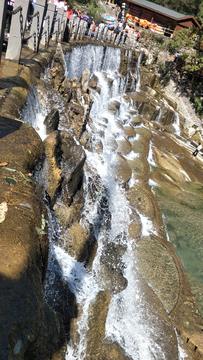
153,14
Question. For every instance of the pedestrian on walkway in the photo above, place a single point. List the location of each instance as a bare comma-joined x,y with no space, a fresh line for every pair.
199,147
138,36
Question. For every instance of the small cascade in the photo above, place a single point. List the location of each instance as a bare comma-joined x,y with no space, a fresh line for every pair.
93,58
34,112
138,72
136,76
176,124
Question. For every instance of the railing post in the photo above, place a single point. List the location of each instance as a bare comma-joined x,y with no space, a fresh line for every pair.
63,26
3,10
70,24
83,29
89,35
36,27
75,28
17,30
48,24
99,34
105,33
80,27
96,33
109,35
57,26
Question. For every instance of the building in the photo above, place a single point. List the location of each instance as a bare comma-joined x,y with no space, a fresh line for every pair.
152,14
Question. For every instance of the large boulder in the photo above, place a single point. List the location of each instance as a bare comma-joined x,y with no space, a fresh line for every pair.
73,158
52,171
58,67
85,80
111,268
66,89
52,120
97,346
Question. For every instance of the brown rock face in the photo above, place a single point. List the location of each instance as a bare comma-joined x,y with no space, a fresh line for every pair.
72,165
97,321
52,144
51,121
97,347
28,324
58,68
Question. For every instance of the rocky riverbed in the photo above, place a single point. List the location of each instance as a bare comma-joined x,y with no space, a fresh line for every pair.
164,174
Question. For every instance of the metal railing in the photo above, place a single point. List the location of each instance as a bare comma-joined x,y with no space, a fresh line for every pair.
47,23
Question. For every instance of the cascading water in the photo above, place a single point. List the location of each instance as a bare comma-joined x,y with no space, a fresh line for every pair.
132,320
138,72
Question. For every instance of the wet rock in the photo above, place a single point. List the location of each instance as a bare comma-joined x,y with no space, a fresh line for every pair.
76,91
51,121
167,116
124,63
111,143
135,226
72,165
143,132
129,131
96,323
92,84
66,89
148,78
58,67
148,110
67,215
141,201
79,116
52,147
112,108
121,169
29,327
99,347
159,269
124,146
137,166
75,242
85,80
111,268
87,99
137,146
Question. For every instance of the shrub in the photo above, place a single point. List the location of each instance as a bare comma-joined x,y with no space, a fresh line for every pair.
180,39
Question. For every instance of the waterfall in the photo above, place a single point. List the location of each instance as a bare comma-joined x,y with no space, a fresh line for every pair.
138,72
132,321
136,76
176,124
93,58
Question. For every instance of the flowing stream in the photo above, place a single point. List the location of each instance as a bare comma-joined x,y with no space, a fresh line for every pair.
133,321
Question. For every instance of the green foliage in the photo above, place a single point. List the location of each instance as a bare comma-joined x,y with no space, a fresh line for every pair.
187,7
199,105
161,67
200,13
151,39
94,11
193,63
180,39
164,71
159,39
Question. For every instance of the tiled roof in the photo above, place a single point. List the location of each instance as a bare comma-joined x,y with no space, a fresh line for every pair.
159,8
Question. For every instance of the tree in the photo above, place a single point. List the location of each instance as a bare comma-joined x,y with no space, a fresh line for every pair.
180,39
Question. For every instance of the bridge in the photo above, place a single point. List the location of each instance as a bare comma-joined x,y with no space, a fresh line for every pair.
48,24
